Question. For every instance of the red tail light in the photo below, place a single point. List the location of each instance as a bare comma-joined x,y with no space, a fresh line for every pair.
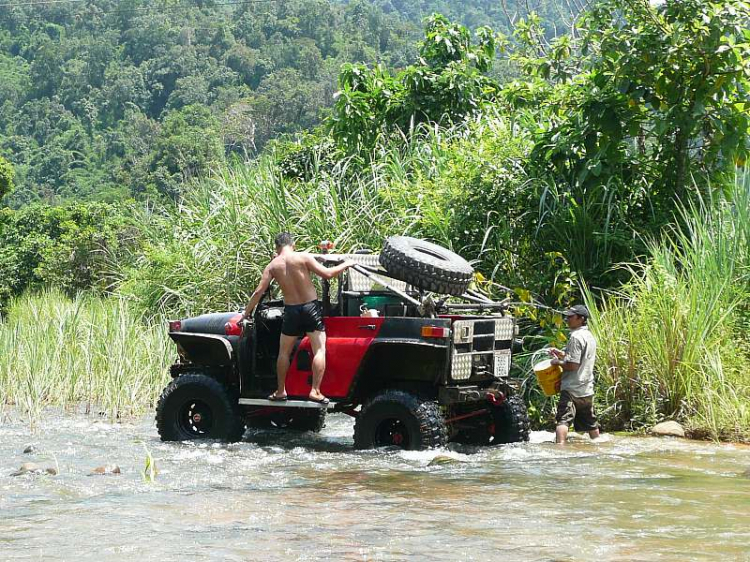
175,325
232,328
435,332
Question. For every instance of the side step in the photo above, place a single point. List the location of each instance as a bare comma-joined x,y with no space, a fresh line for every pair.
284,403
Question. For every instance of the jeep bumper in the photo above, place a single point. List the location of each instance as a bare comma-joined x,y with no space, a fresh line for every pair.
450,395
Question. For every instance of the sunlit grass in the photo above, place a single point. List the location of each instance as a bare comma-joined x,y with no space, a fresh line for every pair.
88,351
673,343
209,253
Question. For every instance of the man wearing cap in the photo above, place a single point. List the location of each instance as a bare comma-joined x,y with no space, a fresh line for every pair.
576,404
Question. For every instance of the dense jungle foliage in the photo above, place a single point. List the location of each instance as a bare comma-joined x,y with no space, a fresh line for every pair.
107,99
606,165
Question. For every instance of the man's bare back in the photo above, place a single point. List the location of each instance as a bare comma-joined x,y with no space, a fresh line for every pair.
291,270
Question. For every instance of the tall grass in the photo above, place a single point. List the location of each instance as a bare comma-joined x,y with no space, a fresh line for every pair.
209,253
97,352
673,342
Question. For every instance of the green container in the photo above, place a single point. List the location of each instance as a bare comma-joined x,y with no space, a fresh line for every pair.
377,302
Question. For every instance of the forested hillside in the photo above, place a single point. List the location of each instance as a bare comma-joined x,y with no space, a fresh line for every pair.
111,99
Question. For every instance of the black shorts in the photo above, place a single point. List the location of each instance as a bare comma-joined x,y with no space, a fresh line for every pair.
300,319
577,411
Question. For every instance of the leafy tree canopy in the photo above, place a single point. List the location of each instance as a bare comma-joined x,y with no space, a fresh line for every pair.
86,88
447,83
6,177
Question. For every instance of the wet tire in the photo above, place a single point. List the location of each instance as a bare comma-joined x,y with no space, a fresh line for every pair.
195,406
299,419
512,423
397,418
426,265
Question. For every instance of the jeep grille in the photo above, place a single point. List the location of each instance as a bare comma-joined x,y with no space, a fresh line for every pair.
481,348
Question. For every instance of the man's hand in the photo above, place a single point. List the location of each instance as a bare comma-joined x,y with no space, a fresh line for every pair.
349,263
558,354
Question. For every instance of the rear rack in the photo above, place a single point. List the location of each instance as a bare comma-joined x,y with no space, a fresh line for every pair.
425,303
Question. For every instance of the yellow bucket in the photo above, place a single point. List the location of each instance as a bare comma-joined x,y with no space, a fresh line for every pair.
549,377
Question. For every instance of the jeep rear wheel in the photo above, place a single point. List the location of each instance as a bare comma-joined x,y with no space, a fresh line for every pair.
194,406
511,421
397,418
426,265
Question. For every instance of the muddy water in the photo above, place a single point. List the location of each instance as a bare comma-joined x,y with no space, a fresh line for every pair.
281,496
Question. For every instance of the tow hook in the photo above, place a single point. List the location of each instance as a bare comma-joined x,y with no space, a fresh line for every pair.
496,398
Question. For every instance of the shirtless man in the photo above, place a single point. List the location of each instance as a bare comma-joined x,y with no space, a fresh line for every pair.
303,313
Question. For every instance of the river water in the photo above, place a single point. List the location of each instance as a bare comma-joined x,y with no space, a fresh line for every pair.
285,496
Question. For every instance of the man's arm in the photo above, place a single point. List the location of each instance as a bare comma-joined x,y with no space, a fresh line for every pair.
327,272
566,365
570,359
265,281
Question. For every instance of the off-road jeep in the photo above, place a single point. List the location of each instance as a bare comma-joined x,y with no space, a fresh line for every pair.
423,370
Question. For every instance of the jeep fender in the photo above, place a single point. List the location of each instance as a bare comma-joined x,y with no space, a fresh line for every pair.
405,364
204,349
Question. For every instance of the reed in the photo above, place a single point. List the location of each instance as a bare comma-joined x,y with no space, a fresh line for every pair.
87,351
673,342
209,253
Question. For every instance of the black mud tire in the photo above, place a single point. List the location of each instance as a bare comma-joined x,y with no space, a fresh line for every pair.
397,418
298,419
195,406
512,423
425,265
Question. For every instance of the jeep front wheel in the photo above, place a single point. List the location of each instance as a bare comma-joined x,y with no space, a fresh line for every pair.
398,418
194,406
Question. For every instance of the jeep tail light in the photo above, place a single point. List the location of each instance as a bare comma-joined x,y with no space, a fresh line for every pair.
435,332
233,328
175,325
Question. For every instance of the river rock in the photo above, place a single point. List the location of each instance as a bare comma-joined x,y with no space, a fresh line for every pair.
29,449
668,429
444,459
32,468
106,469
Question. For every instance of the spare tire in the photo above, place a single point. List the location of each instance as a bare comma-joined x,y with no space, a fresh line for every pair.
425,265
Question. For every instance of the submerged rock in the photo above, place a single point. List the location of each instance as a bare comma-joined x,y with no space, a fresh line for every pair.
444,459
106,469
668,429
32,468
29,449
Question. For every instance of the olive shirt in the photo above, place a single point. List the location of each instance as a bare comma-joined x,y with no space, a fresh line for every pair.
581,349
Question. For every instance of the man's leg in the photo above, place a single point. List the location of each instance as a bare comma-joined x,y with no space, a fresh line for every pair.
566,413
588,417
561,434
318,343
286,345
